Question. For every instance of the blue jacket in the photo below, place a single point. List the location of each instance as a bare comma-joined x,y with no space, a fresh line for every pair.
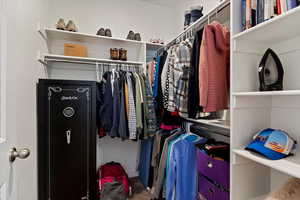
182,172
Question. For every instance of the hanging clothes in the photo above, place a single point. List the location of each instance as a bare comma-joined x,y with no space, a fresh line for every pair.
161,171
126,107
193,91
214,68
182,183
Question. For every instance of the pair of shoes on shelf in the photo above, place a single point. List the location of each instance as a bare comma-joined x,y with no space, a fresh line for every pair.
156,41
134,36
118,54
104,32
69,27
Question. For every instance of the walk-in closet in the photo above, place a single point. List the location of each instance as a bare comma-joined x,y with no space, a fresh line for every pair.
149,100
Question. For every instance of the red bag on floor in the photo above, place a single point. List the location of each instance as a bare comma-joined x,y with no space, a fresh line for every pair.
110,175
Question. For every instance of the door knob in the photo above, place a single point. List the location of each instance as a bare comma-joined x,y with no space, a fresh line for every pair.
22,154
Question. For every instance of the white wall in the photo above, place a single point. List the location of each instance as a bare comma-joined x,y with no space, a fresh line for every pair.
120,16
27,43
22,73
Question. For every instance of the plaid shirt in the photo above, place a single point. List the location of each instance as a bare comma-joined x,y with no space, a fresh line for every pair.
169,92
131,110
151,117
181,77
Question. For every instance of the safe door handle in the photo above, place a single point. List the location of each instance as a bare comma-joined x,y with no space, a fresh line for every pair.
68,135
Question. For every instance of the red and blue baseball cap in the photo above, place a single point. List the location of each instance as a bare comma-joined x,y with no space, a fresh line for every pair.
273,144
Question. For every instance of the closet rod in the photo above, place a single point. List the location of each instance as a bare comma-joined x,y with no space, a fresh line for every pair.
90,63
196,25
195,128
209,127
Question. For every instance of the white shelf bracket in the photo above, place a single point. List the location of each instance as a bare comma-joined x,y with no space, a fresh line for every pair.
97,72
234,45
41,31
41,59
234,102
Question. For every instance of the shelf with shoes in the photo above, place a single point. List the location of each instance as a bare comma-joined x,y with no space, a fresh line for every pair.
153,46
54,34
98,49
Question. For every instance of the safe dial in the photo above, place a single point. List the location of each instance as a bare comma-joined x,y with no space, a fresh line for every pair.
68,112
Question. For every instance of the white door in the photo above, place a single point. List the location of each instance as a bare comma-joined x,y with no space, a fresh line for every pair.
8,112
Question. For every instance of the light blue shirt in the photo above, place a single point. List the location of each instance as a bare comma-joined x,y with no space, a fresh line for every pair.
181,183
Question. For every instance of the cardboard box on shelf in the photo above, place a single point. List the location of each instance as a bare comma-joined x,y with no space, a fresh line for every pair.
75,50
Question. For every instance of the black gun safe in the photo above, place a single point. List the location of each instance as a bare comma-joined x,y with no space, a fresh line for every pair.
66,140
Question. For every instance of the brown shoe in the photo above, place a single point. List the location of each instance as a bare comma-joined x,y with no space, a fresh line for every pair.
61,24
137,37
101,32
130,35
114,54
108,33
123,54
71,26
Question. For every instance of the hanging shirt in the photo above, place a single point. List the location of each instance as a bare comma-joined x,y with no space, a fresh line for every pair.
138,105
150,110
193,92
123,125
156,77
161,172
106,109
182,172
131,109
116,106
170,85
181,77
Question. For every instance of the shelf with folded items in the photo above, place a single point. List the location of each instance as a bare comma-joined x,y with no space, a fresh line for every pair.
282,27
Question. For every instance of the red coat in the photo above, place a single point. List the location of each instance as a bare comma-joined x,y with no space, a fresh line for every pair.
214,68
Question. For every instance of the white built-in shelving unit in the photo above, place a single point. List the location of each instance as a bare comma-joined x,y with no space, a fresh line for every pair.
98,49
58,66
253,176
